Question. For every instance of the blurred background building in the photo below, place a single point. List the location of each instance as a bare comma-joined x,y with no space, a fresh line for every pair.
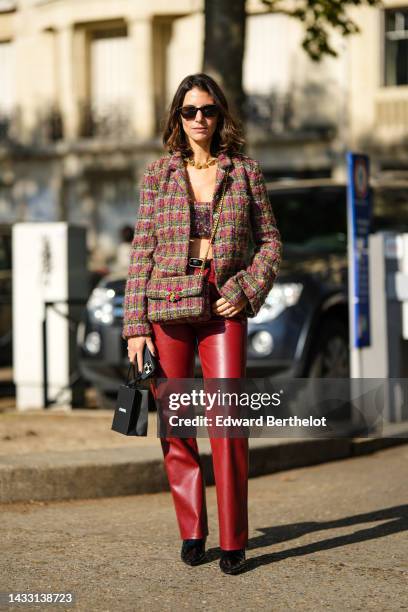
85,86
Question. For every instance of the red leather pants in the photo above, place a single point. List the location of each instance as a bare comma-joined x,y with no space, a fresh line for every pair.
222,346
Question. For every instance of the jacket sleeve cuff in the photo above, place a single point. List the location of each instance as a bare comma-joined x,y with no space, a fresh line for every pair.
256,290
231,291
243,284
136,329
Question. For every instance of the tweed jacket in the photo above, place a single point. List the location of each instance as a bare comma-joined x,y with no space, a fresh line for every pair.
161,238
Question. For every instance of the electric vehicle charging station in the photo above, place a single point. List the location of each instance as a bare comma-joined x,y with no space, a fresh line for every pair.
378,297
50,286
387,356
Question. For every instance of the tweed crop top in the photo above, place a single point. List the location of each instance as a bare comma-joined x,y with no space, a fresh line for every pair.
200,215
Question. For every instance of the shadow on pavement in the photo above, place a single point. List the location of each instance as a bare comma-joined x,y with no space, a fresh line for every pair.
398,521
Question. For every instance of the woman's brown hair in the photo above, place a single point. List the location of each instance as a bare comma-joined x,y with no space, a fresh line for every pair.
227,137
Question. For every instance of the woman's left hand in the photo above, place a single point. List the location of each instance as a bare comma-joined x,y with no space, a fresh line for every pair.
225,309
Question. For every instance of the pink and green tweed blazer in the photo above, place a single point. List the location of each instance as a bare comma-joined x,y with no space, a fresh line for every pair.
162,232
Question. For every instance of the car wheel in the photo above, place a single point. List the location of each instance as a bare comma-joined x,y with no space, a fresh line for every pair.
330,357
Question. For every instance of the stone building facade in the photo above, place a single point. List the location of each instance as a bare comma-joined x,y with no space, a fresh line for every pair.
85,85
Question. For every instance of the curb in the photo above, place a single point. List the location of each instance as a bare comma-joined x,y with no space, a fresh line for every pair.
91,474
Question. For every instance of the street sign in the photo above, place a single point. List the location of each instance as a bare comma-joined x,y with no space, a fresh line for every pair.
358,224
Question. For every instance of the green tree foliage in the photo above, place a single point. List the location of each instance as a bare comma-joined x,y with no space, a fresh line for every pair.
224,40
318,17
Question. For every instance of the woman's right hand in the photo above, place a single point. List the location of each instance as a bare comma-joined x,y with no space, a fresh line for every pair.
136,347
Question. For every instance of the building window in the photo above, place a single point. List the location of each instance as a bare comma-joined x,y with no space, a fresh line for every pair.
110,84
396,47
7,98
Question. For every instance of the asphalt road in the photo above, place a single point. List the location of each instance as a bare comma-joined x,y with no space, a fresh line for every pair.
327,537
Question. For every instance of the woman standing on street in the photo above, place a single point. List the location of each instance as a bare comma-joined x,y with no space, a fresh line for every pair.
178,194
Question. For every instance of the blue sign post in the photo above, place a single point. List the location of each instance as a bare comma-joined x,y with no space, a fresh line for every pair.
358,220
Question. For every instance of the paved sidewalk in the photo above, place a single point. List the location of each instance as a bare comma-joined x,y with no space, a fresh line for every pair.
325,538
57,454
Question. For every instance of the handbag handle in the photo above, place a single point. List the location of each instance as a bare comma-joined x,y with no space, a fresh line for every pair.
215,224
136,377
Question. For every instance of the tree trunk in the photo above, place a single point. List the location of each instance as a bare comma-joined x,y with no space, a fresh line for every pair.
224,43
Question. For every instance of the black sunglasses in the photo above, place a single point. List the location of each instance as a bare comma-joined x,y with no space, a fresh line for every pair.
189,112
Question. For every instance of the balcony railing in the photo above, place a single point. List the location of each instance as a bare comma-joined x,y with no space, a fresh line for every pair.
47,128
272,113
109,123
276,114
391,112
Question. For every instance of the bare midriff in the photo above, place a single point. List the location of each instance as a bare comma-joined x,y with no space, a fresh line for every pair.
198,248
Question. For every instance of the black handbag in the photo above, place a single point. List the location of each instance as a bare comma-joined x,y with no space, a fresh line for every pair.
132,405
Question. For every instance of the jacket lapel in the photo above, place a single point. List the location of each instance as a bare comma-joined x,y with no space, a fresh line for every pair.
179,173
224,162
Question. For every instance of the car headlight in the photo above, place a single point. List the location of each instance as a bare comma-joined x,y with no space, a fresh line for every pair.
100,305
262,343
93,342
281,296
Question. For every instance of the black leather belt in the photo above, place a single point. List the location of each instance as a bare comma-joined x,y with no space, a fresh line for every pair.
196,262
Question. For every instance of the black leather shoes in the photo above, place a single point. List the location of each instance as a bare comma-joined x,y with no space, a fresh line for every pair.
193,552
232,561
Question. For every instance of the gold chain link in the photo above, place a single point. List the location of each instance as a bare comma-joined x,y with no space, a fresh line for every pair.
216,222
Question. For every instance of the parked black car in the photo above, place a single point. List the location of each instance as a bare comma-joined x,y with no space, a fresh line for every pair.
302,329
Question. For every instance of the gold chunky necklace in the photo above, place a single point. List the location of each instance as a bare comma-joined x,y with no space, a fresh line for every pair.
210,162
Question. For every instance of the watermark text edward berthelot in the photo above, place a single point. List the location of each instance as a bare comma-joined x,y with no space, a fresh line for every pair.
229,421
268,407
